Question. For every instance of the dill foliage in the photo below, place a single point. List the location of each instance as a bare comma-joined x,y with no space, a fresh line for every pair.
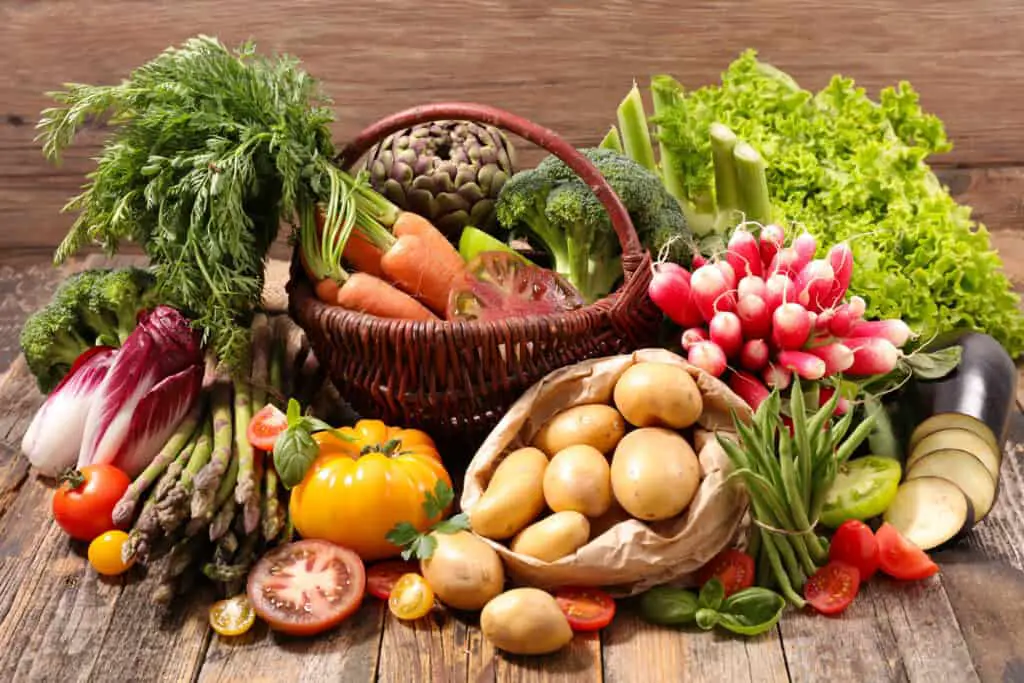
210,150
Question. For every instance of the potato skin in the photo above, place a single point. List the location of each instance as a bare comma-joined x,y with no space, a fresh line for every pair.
658,395
597,425
513,498
464,571
578,478
525,621
655,473
553,537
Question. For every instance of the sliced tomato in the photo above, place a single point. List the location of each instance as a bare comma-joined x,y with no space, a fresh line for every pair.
734,568
265,426
832,588
306,587
587,609
499,285
382,576
901,559
232,617
412,598
854,544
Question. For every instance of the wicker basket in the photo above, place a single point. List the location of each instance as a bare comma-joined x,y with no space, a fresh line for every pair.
456,380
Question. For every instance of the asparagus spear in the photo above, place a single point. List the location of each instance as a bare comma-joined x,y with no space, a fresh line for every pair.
184,553
173,508
223,493
273,514
206,481
246,492
147,526
222,520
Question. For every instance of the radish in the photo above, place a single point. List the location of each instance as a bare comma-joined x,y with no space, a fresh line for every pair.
743,254
840,257
857,306
697,261
756,321
821,322
846,315
751,284
772,239
708,356
707,286
728,272
778,289
754,355
838,357
825,395
776,376
894,330
806,365
749,388
786,262
790,326
692,336
806,246
726,330
814,285
872,355
670,292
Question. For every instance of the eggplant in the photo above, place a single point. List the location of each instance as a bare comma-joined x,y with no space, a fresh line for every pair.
958,440
930,512
963,470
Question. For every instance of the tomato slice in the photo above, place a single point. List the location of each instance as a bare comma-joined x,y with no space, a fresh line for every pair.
265,426
832,588
411,598
854,544
232,617
499,285
734,568
382,576
306,587
588,609
901,559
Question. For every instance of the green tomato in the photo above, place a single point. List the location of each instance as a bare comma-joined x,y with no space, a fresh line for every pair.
863,488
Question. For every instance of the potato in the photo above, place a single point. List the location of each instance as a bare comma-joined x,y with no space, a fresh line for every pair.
513,498
655,473
600,426
554,537
525,621
658,395
464,571
578,478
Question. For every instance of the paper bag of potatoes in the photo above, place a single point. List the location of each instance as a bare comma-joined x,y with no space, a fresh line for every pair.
607,473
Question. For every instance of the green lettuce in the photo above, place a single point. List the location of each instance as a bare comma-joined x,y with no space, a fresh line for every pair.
847,168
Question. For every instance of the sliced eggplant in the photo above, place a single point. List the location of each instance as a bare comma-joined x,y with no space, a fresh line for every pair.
964,470
958,440
930,511
949,421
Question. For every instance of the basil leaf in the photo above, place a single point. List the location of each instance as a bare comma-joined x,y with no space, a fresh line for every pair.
668,606
751,611
712,594
936,364
294,412
294,452
707,618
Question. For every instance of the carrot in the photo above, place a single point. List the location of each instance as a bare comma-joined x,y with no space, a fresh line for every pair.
327,290
363,255
366,293
423,262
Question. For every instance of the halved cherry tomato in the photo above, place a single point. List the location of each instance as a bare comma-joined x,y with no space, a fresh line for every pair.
411,598
105,553
306,587
901,559
587,609
265,426
83,506
232,617
832,588
854,544
734,568
382,576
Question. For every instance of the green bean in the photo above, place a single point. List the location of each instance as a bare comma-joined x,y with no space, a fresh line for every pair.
855,439
785,585
803,443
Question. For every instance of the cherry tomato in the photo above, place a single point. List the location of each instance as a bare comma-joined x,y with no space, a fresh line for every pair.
265,426
901,559
411,598
232,617
587,609
83,506
854,544
306,587
734,568
382,576
105,553
832,588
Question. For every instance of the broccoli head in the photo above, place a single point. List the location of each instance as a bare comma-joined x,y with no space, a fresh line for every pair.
51,339
551,205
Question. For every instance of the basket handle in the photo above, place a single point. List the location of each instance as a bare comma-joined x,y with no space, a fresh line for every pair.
632,250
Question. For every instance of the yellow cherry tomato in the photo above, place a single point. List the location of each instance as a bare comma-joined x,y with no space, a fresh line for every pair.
105,553
411,598
232,617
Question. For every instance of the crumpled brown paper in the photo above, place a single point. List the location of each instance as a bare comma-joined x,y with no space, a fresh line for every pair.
631,556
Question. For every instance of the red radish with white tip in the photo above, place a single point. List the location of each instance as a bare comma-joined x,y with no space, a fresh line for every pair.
728,272
749,388
821,322
825,395
838,357
692,336
744,254
806,365
771,240
752,285
813,285
791,326
707,287
755,320
754,355
872,356
726,331
671,293
786,262
805,245
894,330
858,306
697,261
846,316
777,377
778,289
708,356
840,257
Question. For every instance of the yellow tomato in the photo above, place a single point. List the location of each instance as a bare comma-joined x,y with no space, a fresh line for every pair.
105,553
411,598
356,491
232,617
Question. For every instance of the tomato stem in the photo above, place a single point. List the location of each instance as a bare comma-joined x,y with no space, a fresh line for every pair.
387,448
72,477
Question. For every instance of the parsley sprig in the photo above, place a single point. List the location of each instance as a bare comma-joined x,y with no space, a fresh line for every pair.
421,545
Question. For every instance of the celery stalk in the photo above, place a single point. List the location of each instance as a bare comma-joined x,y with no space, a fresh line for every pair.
636,136
723,144
612,140
666,94
753,184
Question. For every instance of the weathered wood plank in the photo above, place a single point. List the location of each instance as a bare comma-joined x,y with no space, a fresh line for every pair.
435,648
577,662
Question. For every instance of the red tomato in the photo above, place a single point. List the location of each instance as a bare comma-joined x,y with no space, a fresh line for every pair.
735,569
83,506
265,426
382,576
854,544
832,588
588,609
306,587
900,558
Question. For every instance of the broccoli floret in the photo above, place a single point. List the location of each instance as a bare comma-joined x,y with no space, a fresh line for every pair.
122,294
51,340
78,293
521,209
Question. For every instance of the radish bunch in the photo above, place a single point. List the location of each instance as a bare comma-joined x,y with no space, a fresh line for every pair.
768,310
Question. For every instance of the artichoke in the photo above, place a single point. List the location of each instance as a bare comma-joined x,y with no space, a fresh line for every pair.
448,171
